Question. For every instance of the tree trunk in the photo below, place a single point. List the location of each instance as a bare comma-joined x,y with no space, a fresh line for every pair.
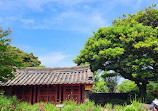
142,91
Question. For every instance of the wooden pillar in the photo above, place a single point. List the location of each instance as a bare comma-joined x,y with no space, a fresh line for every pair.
60,92
64,93
79,91
34,94
23,88
83,93
38,91
47,89
56,95
30,96
11,88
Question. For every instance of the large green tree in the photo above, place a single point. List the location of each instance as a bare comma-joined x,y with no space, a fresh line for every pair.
149,17
128,48
11,57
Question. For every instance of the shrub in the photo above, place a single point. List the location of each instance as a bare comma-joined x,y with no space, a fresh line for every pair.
87,106
97,108
69,108
8,103
118,108
127,86
130,108
108,106
24,106
69,102
83,107
49,107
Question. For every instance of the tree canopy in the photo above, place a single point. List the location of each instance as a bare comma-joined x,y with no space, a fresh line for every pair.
127,47
127,86
11,57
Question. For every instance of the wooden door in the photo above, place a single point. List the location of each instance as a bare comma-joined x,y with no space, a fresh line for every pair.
72,93
47,94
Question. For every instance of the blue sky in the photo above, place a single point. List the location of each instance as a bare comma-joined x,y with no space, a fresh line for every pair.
56,30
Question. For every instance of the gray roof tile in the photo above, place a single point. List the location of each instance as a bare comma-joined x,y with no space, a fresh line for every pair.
43,76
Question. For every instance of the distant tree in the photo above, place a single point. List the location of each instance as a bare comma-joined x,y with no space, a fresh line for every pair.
111,81
100,84
100,87
29,60
11,57
127,86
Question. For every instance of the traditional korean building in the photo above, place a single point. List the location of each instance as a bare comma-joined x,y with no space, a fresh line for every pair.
37,84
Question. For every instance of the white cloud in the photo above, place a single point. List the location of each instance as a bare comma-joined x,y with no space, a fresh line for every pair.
27,21
74,21
56,59
75,15
47,58
69,18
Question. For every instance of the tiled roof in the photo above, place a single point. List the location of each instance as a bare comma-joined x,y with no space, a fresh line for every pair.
48,76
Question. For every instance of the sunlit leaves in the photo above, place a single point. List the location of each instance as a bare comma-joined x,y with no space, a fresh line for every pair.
11,57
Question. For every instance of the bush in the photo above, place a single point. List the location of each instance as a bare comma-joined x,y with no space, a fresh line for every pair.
69,102
8,103
87,106
130,108
127,86
24,106
108,106
97,108
118,108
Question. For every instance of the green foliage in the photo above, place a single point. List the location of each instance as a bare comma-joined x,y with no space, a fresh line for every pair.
108,106
29,60
11,57
24,106
152,89
130,108
12,104
69,108
127,47
135,106
111,80
8,56
118,108
100,86
69,102
149,17
97,108
7,103
127,86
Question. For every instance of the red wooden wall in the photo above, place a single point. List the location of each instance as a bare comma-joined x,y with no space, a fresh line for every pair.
50,93
22,93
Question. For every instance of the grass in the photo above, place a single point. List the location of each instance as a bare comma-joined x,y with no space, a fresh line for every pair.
12,104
